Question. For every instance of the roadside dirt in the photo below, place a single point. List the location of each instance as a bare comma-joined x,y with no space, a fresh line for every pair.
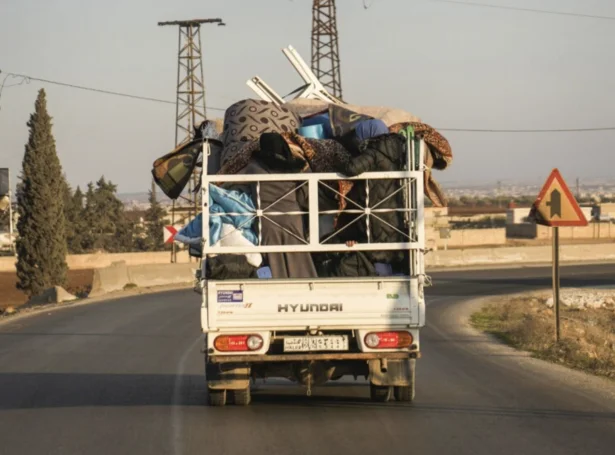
526,323
79,284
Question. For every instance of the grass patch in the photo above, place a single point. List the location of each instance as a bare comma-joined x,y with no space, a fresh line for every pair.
587,336
130,286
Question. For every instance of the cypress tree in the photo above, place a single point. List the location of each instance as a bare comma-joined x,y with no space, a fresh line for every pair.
41,247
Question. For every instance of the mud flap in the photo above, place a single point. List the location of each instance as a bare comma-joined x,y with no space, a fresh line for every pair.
227,376
399,373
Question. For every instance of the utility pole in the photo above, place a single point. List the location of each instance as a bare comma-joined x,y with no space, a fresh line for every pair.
325,47
11,234
578,190
6,195
190,103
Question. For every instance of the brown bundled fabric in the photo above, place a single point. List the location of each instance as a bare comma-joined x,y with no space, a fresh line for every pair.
322,154
304,108
318,154
240,158
438,145
247,119
431,188
439,156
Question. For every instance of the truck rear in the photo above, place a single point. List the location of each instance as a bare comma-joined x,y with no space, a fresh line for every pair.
316,330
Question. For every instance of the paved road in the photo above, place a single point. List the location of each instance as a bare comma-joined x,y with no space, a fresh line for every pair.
125,377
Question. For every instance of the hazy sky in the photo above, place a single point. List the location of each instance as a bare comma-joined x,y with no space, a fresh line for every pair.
454,66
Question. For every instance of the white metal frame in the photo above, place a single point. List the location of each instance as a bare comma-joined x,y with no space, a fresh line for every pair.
413,184
313,88
263,90
414,180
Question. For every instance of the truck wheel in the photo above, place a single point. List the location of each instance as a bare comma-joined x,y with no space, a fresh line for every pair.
380,394
216,397
406,394
241,397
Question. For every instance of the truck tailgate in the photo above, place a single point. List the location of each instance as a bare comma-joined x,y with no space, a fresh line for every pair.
289,304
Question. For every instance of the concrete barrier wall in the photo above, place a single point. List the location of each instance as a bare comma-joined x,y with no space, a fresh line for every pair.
7,264
119,276
532,231
474,237
100,260
519,255
161,274
460,238
522,231
136,270
591,231
109,279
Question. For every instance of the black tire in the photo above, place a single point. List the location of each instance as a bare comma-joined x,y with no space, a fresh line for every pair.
216,397
241,397
380,394
406,394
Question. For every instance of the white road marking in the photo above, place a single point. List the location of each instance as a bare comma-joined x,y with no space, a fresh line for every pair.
176,417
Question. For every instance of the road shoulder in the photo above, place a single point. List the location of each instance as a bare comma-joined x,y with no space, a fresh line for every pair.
31,311
457,322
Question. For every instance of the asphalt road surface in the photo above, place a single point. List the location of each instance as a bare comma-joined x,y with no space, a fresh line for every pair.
126,377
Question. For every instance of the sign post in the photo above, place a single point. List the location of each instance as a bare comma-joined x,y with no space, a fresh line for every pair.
556,207
556,281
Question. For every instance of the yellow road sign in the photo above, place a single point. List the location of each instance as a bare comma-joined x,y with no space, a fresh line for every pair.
556,206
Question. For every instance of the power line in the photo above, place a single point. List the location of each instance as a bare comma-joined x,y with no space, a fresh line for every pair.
27,79
562,130
529,10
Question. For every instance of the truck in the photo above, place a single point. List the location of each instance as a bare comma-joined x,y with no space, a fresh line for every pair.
312,331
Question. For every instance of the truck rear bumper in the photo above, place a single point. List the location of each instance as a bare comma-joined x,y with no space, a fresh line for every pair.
312,357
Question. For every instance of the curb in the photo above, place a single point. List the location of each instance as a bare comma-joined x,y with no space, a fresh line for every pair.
514,266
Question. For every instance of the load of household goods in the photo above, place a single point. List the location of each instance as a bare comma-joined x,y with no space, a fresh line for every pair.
260,137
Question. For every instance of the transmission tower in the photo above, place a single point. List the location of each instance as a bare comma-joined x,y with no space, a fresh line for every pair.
190,105
325,48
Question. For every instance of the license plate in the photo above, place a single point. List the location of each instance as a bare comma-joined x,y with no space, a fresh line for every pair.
319,343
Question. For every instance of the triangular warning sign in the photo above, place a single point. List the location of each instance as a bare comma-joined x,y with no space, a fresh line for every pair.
556,206
169,234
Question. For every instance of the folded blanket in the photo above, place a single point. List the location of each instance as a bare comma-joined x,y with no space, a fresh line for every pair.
320,154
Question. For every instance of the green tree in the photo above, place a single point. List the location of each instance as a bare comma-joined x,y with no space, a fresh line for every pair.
154,219
75,225
4,220
41,247
91,231
107,227
466,200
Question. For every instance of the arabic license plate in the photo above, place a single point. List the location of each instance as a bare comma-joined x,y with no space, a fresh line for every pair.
319,343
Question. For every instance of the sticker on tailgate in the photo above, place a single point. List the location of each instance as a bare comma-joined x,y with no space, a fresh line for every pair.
230,296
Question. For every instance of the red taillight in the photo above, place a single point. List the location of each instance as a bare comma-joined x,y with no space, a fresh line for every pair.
388,340
237,343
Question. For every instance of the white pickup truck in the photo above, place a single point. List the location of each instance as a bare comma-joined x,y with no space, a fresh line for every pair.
315,330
